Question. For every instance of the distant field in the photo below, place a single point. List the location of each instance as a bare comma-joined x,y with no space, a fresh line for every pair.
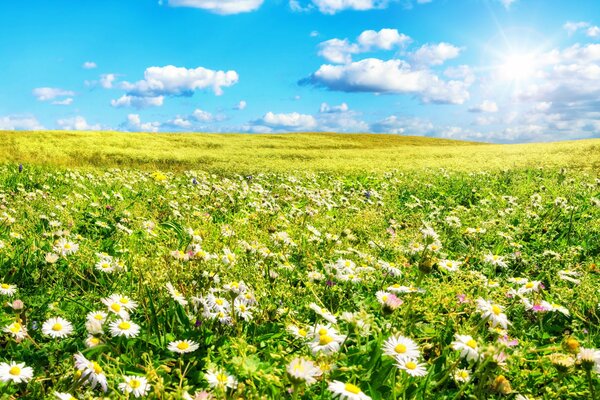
284,152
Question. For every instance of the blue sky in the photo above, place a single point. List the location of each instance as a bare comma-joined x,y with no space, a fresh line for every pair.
488,70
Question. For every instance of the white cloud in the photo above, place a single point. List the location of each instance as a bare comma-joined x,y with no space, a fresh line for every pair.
292,121
202,116
20,123
486,106
77,123
48,93
573,27
135,124
241,105
593,31
178,81
314,33
66,102
223,7
326,108
435,54
137,102
392,76
340,51
107,80
180,122
89,65
403,125
335,6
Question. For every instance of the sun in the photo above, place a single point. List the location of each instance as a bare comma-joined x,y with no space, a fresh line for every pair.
517,67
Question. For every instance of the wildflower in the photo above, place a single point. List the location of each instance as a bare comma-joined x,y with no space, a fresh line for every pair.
588,358
301,369
91,372
92,341
572,345
64,396
15,372
495,260
65,247
7,289
183,346
326,340
105,265
462,375
400,347
347,391
122,327
176,294
300,333
220,379
411,367
229,257
449,265
570,276
492,312
51,258
57,327
501,385
17,330
467,346
242,309
136,385
323,313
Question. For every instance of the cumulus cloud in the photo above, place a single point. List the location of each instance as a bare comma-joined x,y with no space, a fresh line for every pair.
326,108
340,51
223,7
435,54
392,76
107,80
77,123
137,102
572,27
202,116
178,81
49,93
65,102
403,125
290,122
487,106
335,6
20,123
135,124
89,65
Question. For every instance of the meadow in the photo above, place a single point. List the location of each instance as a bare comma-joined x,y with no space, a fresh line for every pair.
192,267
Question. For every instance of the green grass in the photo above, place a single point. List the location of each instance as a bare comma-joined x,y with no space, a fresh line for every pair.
250,153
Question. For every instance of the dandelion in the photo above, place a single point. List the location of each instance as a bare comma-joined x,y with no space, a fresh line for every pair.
91,372
176,294
136,385
57,327
122,327
220,379
347,391
301,369
15,372
183,346
411,367
7,289
400,347
467,346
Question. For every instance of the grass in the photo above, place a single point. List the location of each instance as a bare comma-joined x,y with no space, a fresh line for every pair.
249,153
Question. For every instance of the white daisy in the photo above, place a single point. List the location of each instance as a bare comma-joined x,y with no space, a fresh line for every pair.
114,306
347,391
64,396
92,341
328,316
220,379
301,369
467,346
17,330
492,312
183,346
15,372
400,347
7,289
495,260
57,327
136,385
176,294
91,372
411,366
461,375
122,327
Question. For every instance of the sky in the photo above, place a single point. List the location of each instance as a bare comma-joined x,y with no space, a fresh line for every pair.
504,71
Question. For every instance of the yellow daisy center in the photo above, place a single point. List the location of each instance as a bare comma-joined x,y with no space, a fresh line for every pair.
115,307
16,327
384,298
529,285
134,383
222,378
15,371
94,340
411,365
5,286
219,301
496,310
302,332
298,368
322,332
464,374
57,327
100,317
124,325
472,344
67,246
325,340
352,388
123,300
183,346
97,368
400,348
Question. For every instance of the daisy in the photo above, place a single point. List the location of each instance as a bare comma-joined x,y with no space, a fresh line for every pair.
462,375
125,301
92,341
589,358
495,260
242,309
411,366
327,343
91,372
105,265
236,287
400,347
176,295
300,333
99,316
115,307
449,265
64,396
183,346
136,385
15,372
467,346
18,331
347,391
492,312
220,379
57,327
301,369
530,286
218,303
122,327
65,247
323,313
7,289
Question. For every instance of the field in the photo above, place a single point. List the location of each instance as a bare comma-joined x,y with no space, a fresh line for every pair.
302,266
